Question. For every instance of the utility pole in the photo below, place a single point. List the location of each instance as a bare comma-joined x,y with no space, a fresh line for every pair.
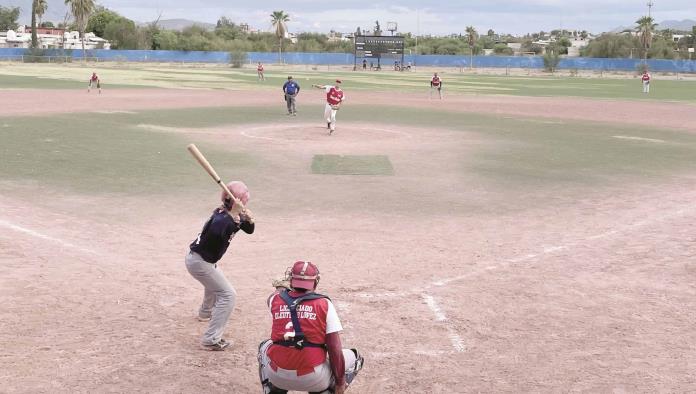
650,4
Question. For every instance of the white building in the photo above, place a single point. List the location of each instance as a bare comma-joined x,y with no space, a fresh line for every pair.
51,38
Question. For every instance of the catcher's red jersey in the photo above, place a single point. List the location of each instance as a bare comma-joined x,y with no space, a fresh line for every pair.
334,96
317,318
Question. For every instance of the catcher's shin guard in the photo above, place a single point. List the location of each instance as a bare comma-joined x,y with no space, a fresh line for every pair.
355,368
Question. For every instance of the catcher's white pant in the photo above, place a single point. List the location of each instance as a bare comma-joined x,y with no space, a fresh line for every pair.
317,381
646,86
330,115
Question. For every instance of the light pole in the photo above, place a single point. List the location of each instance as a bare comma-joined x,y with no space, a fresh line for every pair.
650,4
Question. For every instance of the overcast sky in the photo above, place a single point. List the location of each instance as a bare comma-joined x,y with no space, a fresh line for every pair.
443,17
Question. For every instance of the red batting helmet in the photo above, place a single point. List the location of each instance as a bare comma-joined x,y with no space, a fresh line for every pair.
304,275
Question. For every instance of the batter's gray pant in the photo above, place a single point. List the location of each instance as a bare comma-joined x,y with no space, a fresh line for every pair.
290,100
218,297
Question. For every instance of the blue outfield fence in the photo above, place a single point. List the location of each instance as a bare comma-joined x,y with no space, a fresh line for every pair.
346,59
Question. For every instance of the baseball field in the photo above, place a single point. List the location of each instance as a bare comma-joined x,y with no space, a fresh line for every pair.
524,234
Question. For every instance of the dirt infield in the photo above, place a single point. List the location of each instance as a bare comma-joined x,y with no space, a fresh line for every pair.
656,114
444,284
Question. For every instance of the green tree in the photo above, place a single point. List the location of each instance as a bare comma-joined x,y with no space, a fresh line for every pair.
34,36
227,29
123,34
166,40
645,28
47,24
502,49
81,10
279,19
611,46
471,37
8,18
490,33
101,17
41,7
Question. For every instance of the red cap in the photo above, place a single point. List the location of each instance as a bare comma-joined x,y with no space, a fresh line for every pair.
338,81
304,275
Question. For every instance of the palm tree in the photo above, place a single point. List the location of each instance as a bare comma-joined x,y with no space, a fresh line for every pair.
471,36
279,20
81,10
34,36
645,29
41,6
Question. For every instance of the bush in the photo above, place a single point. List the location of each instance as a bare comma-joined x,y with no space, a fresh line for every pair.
238,59
551,60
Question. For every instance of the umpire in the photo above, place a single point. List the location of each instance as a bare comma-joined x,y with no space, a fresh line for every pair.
291,89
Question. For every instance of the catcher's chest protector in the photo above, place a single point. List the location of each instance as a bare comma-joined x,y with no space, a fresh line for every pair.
298,341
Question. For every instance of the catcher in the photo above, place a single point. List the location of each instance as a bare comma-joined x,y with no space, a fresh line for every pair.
305,328
94,80
334,98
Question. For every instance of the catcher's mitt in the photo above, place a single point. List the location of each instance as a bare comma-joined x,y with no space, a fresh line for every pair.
280,284
335,107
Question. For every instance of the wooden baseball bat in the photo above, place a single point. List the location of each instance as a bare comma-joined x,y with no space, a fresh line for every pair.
211,171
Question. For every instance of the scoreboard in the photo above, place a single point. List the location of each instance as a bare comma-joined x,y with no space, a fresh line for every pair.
379,47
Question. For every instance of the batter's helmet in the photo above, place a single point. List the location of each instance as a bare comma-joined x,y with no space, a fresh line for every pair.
304,275
239,190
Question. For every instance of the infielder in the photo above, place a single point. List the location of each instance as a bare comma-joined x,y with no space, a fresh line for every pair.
305,328
202,262
259,72
291,89
334,98
646,81
436,83
94,80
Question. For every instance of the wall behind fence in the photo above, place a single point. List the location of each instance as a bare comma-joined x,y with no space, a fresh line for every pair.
533,62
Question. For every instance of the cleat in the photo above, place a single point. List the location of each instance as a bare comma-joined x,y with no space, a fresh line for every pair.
203,319
328,125
218,346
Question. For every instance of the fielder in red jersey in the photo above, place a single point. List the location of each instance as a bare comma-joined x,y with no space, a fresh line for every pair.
259,72
94,80
334,97
645,78
436,83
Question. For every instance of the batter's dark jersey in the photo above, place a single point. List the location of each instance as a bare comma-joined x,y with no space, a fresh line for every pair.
216,235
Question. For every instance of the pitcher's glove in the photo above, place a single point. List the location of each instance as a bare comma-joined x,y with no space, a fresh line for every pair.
281,284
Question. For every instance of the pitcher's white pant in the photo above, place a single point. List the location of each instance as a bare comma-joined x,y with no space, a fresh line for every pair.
646,86
317,381
330,116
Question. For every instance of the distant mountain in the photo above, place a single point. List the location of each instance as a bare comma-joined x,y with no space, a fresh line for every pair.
181,24
684,25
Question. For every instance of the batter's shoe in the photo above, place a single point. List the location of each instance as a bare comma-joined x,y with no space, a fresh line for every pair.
220,345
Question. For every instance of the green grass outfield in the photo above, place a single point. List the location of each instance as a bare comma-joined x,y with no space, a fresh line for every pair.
40,76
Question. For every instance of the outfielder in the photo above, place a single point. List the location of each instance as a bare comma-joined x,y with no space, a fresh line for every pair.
436,83
94,80
305,328
259,72
202,262
646,81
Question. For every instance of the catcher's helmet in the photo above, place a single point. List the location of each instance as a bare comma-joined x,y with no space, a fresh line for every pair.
304,275
239,190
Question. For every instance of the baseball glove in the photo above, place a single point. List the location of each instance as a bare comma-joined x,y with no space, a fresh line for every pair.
280,284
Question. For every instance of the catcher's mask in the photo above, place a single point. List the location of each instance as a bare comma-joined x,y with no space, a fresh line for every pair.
303,275
239,190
